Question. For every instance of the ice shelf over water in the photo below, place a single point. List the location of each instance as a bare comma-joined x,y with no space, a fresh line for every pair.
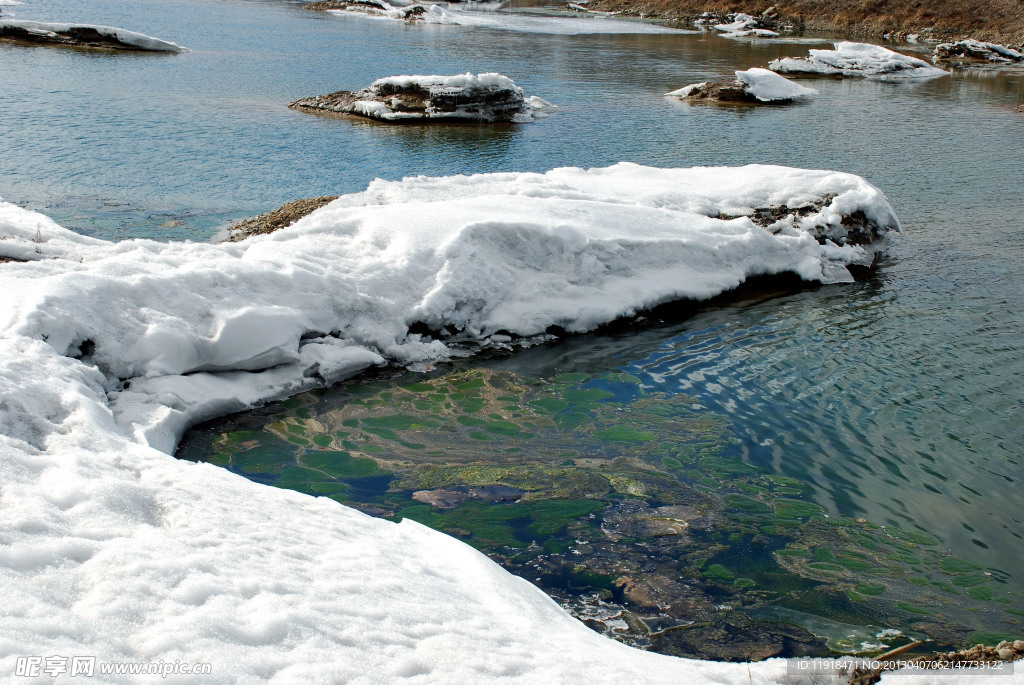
857,59
114,549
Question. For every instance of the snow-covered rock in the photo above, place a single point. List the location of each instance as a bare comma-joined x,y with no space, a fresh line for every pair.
114,549
379,8
978,51
754,85
82,35
483,97
739,25
857,59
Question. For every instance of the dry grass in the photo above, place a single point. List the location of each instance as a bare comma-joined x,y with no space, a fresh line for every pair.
1000,21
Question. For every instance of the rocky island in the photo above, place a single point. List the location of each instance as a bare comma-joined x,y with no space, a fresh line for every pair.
754,86
482,98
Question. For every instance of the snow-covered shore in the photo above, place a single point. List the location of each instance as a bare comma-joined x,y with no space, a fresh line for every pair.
109,351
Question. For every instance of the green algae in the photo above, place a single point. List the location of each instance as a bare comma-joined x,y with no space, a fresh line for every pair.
982,592
340,465
594,468
718,572
623,434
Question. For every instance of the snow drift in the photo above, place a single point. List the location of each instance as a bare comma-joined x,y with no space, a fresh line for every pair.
109,351
857,59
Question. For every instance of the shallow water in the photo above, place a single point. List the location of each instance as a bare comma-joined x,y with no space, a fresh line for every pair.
897,400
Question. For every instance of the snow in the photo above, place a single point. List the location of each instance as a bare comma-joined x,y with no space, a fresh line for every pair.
590,23
139,40
109,351
686,90
743,25
768,86
857,59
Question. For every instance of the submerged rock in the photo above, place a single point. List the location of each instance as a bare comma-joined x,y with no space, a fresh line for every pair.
976,50
857,59
81,36
753,86
484,97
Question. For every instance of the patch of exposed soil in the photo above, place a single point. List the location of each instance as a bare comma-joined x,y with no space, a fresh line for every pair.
282,217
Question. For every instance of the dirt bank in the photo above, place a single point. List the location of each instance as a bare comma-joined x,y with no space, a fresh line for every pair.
999,21
283,216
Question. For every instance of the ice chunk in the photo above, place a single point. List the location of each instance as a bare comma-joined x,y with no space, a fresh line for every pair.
767,86
857,59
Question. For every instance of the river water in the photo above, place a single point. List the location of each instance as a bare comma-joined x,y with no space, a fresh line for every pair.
897,399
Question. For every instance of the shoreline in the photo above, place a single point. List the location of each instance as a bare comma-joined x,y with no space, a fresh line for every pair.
998,21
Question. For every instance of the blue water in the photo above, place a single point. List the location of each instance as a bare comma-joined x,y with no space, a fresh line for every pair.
899,398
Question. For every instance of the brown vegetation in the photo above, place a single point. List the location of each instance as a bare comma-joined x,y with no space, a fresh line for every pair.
999,21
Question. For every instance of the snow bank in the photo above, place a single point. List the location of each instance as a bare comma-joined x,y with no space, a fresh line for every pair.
204,329
82,33
857,59
108,351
